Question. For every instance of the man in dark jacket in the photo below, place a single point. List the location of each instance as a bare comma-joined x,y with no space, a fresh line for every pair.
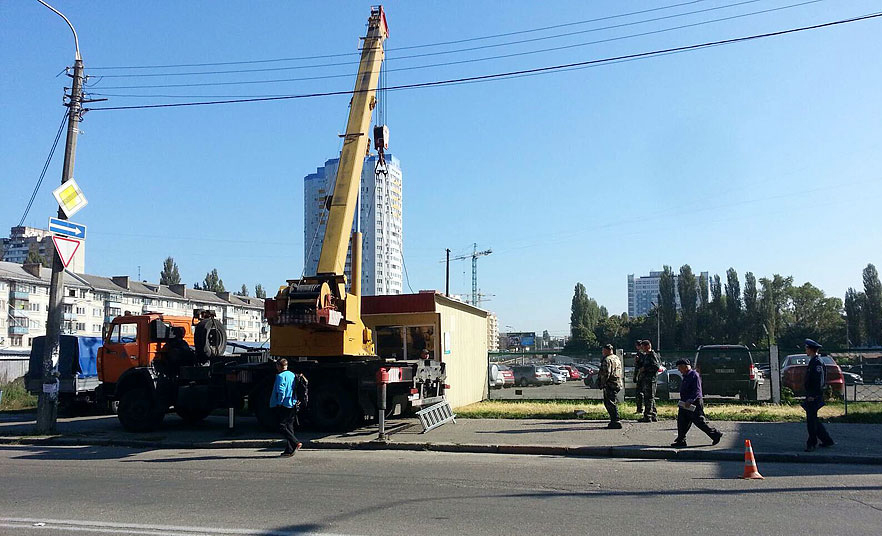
646,382
638,364
691,406
815,381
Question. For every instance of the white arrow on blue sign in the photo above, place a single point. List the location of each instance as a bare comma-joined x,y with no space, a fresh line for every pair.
67,228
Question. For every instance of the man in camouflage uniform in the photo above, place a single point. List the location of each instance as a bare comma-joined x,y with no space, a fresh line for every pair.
646,382
611,382
638,364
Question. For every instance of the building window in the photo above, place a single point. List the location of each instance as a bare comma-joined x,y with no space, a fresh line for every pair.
81,310
81,326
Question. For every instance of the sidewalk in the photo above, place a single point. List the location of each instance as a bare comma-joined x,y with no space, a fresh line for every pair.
772,442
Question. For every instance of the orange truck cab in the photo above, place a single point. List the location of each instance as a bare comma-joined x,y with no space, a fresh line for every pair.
128,344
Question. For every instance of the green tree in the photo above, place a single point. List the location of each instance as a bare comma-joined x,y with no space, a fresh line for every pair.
717,311
774,300
169,274
584,315
34,256
854,317
212,282
687,286
733,307
667,302
812,314
243,291
703,321
259,292
753,329
872,306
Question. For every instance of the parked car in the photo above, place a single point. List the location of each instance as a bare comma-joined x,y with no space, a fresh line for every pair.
495,380
531,375
574,372
727,370
586,370
852,378
558,374
507,375
795,367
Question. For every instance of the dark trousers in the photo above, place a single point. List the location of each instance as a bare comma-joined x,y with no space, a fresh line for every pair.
647,387
638,396
611,403
686,418
286,417
816,430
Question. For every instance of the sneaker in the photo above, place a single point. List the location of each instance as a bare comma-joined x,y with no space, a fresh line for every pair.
679,443
287,454
644,419
297,447
828,445
616,425
716,439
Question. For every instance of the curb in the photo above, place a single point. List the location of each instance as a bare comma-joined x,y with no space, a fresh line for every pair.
648,453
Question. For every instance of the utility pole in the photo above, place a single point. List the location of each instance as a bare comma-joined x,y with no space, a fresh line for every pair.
47,405
447,276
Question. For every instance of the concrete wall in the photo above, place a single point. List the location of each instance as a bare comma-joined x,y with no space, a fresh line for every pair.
466,335
12,367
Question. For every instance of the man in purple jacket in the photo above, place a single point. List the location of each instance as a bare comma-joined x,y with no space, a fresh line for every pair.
691,407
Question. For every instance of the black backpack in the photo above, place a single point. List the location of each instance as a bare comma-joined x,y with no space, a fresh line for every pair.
301,391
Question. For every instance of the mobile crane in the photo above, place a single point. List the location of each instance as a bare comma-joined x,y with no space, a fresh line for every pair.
164,361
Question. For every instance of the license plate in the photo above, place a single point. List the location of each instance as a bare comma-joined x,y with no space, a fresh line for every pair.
725,371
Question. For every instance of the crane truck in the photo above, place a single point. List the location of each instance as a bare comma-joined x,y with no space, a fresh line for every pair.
315,322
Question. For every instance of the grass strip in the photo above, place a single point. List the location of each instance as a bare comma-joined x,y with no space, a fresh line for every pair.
860,412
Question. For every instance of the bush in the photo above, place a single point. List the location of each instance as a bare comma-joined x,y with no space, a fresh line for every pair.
15,396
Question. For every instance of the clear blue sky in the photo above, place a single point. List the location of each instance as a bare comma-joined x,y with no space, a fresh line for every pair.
763,156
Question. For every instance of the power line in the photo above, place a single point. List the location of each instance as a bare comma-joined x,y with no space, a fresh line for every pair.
443,43
391,58
474,60
45,167
511,74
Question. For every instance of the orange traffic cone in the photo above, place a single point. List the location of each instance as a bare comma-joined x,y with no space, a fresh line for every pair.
750,470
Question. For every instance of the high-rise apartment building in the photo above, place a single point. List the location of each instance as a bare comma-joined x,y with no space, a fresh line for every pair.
643,292
380,213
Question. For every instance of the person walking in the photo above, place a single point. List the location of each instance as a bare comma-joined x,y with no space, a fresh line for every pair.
638,364
815,382
691,406
611,383
284,403
647,380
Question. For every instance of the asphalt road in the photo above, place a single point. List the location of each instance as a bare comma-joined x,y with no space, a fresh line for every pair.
97,490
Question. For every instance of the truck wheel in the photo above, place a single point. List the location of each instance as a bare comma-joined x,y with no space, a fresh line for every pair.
192,415
332,408
139,411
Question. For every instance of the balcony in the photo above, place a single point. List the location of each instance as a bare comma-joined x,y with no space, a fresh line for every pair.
18,330
109,318
19,313
69,316
19,295
68,300
113,304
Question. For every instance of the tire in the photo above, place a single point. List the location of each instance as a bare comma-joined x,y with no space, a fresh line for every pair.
192,415
522,382
138,410
332,408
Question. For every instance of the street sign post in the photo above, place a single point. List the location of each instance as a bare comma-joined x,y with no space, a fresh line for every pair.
70,197
67,228
66,248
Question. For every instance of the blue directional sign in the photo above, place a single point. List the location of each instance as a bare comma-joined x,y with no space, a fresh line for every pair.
67,228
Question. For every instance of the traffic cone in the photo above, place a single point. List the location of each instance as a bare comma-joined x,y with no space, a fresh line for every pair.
750,470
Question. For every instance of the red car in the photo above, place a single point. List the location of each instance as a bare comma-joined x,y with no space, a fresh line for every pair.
574,372
794,369
507,375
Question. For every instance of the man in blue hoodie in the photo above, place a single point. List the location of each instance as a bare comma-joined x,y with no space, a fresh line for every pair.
283,401
691,406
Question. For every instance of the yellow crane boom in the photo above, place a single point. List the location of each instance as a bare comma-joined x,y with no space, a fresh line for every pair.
315,316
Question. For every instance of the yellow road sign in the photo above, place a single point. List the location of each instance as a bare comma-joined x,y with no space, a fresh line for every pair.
70,197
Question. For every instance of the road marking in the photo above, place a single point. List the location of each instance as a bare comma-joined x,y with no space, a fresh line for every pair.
71,525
